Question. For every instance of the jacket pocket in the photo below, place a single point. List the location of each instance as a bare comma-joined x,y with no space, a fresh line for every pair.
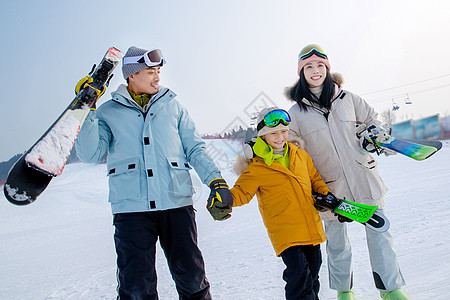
180,184
346,113
370,163
124,180
277,207
371,177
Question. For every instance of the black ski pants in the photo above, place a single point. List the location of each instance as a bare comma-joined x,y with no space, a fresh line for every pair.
302,272
135,239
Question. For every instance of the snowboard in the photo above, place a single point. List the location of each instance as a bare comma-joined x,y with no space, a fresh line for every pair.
361,213
46,159
431,143
415,149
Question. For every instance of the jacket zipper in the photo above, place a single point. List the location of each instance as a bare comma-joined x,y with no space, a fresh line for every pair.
141,110
326,114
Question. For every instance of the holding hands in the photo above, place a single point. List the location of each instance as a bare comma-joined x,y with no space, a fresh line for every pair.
220,200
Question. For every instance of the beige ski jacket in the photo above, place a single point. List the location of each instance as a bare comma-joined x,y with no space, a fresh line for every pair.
330,139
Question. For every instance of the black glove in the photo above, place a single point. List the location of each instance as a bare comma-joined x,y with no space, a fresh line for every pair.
329,202
220,200
343,219
325,202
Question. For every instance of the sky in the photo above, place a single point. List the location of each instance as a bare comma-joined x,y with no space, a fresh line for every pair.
225,58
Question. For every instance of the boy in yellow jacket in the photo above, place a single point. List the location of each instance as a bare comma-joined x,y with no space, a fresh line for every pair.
283,178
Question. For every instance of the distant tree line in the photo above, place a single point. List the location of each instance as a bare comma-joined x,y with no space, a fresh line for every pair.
242,134
5,166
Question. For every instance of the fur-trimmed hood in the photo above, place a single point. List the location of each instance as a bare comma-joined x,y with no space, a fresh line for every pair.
337,78
241,164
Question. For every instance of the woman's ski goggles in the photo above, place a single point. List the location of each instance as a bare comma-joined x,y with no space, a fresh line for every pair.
150,58
311,50
273,118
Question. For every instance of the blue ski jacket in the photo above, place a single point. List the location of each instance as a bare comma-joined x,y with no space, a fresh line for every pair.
150,151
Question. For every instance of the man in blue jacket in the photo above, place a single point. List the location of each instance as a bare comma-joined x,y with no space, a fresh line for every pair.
151,143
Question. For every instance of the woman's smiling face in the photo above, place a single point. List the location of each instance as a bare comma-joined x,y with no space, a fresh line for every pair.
315,73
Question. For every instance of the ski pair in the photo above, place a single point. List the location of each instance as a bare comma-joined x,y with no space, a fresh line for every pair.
361,213
32,173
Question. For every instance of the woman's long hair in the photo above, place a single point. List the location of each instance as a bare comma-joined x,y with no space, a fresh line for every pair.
301,90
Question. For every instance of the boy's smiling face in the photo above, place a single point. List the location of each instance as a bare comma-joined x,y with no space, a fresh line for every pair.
277,139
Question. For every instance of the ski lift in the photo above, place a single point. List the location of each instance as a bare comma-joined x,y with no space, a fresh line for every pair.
408,100
395,107
253,120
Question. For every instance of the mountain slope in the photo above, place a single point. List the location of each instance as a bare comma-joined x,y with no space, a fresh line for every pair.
61,246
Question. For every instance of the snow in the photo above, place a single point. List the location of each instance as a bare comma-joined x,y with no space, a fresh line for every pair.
61,246
12,192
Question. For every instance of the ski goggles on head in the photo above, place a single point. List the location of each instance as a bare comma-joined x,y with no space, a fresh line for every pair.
273,118
311,50
150,58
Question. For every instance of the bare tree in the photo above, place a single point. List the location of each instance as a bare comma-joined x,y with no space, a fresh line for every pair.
388,116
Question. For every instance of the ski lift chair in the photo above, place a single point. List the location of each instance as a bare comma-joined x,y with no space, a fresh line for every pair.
395,107
408,100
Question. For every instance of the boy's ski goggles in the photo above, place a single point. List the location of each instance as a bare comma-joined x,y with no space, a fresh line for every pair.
311,50
150,58
273,118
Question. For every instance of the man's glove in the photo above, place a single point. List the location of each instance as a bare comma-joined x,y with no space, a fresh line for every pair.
85,81
220,200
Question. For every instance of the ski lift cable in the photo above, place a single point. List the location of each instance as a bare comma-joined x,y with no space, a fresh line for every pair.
409,93
408,84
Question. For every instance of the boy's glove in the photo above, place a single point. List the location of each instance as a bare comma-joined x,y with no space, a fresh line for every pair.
325,202
220,200
329,202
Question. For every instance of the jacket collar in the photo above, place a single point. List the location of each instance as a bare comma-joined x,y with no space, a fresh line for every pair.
122,96
337,92
280,168
265,151
276,165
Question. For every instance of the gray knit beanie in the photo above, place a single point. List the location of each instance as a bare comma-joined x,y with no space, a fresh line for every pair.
130,69
266,129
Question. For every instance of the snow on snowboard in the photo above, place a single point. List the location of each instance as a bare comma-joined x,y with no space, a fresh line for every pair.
32,173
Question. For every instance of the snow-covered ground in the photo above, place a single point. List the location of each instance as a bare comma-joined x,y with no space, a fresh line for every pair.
61,246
